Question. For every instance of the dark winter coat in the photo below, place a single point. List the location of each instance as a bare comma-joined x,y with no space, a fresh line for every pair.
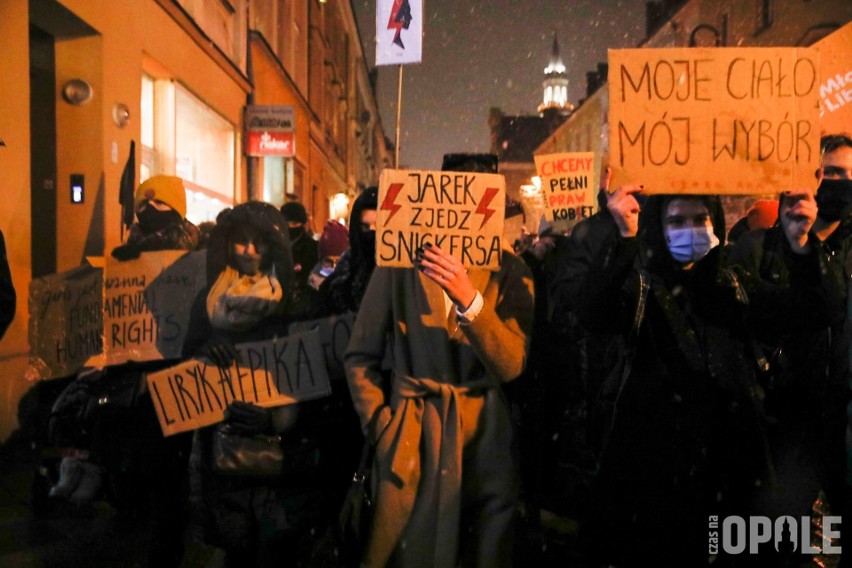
687,427
807,387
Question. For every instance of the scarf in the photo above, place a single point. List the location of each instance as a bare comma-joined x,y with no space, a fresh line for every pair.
239,303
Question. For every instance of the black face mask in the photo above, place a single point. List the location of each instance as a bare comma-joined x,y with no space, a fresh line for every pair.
295,233
834,199
151,220
368,240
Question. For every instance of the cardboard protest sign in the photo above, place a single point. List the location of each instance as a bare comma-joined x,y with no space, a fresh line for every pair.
281,371
835,88
568,187
709,120
147,303
66,321
460,212
334,333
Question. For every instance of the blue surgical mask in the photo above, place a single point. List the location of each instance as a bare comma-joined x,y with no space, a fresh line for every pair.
691,244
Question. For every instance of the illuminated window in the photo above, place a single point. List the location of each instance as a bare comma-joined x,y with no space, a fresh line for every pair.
182,136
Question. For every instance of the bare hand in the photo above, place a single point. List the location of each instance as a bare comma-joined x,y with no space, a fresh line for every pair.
625,209
448,273
797,213
542,245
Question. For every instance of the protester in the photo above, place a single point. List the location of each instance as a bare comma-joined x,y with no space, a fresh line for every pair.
445,476
7,290
687,436
343,290
145,472
333,242
257,523
807,385
305,253
161,222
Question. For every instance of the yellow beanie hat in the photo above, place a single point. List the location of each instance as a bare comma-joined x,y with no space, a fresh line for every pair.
168,189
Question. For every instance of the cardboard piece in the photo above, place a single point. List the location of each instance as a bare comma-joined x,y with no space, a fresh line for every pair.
709,120
270,373
66,322
568,187
460,212
147,303
835,88
334,333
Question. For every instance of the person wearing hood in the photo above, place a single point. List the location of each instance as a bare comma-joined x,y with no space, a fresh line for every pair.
687,439
161,222
344,288
249,272
809,368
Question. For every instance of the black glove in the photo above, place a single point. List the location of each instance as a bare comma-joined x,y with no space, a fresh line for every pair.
126,251
247,419
220,349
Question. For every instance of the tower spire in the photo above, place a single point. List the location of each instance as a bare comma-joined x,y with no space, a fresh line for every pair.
555,83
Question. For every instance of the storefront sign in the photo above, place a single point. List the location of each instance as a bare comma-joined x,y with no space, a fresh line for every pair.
270,131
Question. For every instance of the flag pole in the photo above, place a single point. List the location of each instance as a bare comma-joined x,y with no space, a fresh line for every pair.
398,118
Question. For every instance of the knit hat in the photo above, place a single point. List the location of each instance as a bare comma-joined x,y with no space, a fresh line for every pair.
334,239
294,212
762,214
168,189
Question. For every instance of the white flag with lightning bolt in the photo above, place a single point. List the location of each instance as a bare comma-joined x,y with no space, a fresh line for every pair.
399,31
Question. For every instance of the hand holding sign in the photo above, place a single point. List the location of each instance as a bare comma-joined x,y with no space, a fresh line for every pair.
797,213
625,209
448,273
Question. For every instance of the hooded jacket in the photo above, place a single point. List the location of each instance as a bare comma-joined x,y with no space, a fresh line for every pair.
343,290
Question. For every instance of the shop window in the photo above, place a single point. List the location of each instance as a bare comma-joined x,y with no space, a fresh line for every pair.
183,136
277,179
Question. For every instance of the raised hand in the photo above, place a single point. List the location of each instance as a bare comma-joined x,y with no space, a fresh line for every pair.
625,208
448,273
797,213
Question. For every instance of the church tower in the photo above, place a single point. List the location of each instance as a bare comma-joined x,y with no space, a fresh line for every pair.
555,85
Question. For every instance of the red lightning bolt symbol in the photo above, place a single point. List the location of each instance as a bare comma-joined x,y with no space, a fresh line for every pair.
396,23
483,209
388,204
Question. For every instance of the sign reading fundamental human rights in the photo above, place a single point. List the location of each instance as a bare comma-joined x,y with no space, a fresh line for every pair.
280,371
66,321
835,88
460,212
568,188
710,120
147,303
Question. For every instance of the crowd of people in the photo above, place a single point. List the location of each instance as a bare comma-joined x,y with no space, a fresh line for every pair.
640,375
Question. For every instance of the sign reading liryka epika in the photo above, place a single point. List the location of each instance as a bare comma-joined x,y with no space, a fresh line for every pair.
460,212
279,371
710,120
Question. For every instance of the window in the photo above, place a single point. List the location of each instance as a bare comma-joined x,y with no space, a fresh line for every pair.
765,14
183,136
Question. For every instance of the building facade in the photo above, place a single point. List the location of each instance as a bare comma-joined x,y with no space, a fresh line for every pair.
83,79
701,23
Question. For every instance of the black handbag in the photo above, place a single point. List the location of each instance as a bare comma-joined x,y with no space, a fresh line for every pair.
356,514
256,457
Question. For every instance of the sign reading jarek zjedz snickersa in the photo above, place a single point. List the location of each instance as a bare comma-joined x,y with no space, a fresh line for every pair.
711,120
270,131
460,212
